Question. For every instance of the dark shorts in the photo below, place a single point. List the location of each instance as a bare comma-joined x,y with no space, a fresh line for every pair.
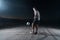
35,21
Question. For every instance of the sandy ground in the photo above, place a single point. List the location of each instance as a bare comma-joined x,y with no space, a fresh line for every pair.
23,33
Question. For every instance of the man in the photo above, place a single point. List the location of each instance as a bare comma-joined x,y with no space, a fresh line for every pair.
35,21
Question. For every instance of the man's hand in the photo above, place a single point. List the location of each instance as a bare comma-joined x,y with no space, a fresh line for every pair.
38,19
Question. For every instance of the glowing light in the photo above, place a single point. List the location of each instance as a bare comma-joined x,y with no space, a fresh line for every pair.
2,5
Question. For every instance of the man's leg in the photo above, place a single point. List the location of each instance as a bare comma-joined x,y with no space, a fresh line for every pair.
32,31
36,27
33,27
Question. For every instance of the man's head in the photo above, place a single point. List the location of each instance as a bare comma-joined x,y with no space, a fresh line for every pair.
34,9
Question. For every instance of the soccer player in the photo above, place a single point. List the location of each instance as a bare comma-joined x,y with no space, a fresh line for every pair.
35,21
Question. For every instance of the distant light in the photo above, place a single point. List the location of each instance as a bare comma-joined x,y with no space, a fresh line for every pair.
3,5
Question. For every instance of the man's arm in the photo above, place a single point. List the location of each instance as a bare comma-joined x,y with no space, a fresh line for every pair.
38,15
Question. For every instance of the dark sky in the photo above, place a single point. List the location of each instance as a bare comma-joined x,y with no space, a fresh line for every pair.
15,8
23,8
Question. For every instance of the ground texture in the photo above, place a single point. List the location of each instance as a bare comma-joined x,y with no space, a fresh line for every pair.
23,33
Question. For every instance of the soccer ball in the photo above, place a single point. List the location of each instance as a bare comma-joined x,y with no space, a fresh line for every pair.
28,23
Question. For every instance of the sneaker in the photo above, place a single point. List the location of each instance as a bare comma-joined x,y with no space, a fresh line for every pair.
31,32
35,33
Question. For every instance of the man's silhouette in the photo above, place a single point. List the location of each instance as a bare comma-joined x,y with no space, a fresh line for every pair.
35,21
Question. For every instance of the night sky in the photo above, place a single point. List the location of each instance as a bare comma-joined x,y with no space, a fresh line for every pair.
23,8
15,8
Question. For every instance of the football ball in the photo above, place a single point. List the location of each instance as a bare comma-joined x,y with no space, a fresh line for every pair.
28,23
